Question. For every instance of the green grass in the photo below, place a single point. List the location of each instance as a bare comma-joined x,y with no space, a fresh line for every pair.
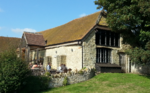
108,83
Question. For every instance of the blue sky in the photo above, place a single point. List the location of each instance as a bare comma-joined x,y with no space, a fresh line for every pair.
17,16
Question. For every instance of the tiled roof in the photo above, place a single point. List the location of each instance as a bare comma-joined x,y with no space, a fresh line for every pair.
8,43
71,31
34,39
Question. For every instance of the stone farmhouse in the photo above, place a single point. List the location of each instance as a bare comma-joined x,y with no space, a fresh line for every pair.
83,42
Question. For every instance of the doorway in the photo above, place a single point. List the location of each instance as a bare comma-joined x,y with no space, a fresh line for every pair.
122,61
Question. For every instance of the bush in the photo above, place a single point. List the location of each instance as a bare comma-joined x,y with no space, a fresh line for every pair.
35,84
81,72
47,74
65,81
13,71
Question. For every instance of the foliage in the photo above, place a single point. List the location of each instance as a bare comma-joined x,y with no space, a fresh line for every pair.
93,70
131,18
13,71
81,72
47,74
108,83
35,84
127,17
84,68
65,81
140,55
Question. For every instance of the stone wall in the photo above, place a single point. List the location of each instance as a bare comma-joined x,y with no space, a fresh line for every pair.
89,50
73,56
72,78
114,56
140,69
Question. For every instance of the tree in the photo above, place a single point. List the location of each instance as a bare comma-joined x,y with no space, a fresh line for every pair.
13,71
127,17
130,18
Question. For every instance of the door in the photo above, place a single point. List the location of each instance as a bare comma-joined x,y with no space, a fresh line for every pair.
122,59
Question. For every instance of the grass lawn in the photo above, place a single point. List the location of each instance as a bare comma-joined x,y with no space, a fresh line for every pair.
108,83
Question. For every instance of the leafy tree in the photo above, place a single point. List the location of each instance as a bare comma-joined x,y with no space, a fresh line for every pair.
130,18
127,17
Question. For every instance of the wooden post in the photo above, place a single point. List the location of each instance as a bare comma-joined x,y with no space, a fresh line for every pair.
105,38
118,40
37,53
100,50
28,53
105,56
114,39
110,39
20,52
100,35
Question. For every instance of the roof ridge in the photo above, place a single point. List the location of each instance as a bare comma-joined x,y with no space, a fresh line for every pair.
36,33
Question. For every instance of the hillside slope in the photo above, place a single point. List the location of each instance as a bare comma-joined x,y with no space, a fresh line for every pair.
108,83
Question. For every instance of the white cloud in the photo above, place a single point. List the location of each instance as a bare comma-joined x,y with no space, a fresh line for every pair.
0,28
18,30
82,15
1,10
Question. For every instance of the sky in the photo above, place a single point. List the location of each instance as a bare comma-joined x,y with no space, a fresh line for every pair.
17,16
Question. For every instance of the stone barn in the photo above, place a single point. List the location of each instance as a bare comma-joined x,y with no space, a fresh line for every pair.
83,42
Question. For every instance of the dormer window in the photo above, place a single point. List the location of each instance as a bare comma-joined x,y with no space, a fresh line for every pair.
45,42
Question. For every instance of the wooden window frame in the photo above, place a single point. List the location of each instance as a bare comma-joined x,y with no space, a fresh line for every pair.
103,55
107,38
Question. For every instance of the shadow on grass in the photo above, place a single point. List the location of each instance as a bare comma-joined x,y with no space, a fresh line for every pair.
45,91
146,76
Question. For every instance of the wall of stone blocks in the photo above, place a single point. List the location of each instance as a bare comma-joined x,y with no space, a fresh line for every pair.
89,50
73,56
71,79
114,57
140,69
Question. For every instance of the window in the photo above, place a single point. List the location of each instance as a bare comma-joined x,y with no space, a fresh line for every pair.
103,55
49,60
107,38
61,59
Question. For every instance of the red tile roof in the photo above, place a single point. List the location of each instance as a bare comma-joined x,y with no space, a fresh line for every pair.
34,39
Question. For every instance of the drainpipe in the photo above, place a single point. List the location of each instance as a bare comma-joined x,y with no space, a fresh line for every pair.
82,53
80,43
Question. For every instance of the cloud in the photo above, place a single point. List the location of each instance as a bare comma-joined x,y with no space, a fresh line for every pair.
18,30
1,10
82,15
0,28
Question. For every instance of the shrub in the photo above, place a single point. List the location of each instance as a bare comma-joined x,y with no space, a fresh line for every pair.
65,81
81,72
93,70
13,71
47,74
84,68
35,84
